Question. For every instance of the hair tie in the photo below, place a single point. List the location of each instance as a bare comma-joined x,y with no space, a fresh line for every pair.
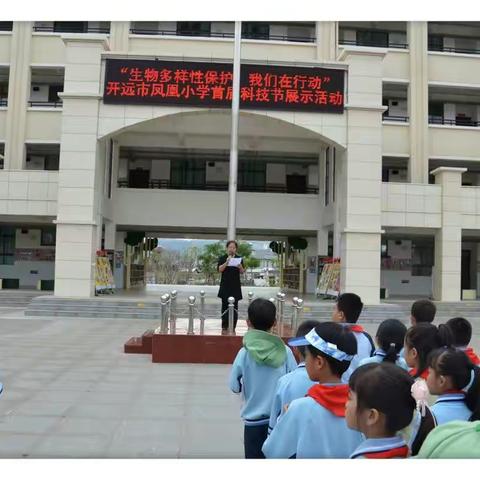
470,383
392,345
420,393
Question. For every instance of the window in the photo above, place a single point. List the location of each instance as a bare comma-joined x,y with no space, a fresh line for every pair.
372,38
188,173
53,91
48,237
435,43
42,156
194,29
327,175
7,246
2,153
6,26
252,175
256,30
70,27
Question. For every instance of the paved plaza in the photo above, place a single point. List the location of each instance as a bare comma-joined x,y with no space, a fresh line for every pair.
71,392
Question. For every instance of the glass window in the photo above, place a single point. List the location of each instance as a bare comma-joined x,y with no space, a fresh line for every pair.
252,175
70,27
435,43
256,30
187,173
7,246
200,29
372,38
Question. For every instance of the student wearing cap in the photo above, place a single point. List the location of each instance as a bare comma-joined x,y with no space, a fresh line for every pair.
295,384
314,426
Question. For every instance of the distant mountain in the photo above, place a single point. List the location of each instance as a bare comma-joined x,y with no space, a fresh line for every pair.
182,244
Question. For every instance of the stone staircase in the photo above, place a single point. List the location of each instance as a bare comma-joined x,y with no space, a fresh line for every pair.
111,307
19,298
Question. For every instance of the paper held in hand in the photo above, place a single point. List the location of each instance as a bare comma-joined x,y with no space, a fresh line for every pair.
235,262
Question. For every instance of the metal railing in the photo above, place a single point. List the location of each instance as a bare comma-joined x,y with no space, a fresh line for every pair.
441,48
196,33
52,28
166,184
395,118
364,43
55,104
436,120
3,102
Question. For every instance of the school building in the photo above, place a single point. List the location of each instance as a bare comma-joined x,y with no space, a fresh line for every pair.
361,137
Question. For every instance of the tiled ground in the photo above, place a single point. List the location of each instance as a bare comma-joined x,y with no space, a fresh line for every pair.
71,392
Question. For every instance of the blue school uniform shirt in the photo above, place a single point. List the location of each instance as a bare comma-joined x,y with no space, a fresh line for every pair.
378,357
291,386
364,350
309,430
450,407
257,382
391,447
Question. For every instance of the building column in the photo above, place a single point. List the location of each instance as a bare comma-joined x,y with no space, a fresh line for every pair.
360,177
447,272
322,241
18,95
417,35
119,36
326,40
81,177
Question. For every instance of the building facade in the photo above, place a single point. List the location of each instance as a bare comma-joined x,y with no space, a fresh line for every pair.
391,186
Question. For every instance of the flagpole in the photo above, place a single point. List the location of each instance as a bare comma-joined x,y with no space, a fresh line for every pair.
233,175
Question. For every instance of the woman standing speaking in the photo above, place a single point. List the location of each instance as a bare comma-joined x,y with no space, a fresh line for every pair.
230,266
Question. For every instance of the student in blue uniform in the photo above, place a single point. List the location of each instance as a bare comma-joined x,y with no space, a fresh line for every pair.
380,404
456,381
314,426
347,309
420,340
295,384
390,337
263,359
462,334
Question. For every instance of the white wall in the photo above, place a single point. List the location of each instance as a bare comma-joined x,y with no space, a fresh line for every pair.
399,110
160,170
41,95
403,283
216,173
276,173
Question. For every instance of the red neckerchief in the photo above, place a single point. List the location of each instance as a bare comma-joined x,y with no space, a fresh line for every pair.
356,328
472,356
332,397
399,452
413,373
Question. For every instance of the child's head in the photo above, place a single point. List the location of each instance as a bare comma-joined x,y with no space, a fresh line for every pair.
390,338
423,311
330,348
450,369
422,339
347,309
302,330
261,314
380,401
461,330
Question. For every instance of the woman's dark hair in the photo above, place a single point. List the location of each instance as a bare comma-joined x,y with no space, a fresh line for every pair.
455,364
232,241
462,331
387,388
425,338
351,305
390,338
340,336
302,330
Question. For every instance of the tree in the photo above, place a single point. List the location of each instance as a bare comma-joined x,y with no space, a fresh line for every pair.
208,260
189,260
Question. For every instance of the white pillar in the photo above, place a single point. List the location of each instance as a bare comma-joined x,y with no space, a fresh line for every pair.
417,35
18,95
81,179
447,271
326,40
119,36
359,184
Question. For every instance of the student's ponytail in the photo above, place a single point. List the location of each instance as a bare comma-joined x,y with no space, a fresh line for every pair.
445,335
472,398
391,354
